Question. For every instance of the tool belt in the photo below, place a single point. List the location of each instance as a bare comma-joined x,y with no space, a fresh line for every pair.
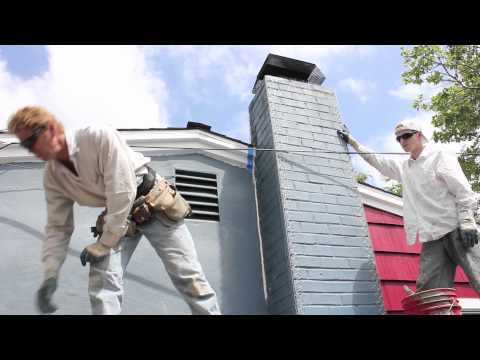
147,183
166,199
152,196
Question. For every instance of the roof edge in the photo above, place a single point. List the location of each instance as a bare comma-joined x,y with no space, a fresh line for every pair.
381,199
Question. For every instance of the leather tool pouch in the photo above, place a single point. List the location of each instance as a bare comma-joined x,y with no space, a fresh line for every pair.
165,199
141,212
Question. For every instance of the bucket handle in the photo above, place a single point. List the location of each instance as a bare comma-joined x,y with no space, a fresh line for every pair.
451,306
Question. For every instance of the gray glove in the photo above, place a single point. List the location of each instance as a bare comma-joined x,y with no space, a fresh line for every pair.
44,296
348,138
344,136
469,237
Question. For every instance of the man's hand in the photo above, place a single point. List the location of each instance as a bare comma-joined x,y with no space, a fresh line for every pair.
344,136
348,138
468,237
94,253
44,296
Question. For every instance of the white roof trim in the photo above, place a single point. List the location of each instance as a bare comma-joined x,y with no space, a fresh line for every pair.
191,138
470,305
381,200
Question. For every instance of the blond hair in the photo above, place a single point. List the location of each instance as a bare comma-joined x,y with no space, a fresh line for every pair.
31,117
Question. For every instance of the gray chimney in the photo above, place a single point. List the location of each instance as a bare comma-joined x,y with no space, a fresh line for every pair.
317,254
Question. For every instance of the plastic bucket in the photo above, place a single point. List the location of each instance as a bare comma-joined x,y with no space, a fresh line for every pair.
440,301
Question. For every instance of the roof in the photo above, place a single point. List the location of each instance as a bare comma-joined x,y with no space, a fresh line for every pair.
195,139
205,128
378,188
381,199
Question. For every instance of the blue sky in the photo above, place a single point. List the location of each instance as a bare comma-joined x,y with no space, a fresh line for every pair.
158,86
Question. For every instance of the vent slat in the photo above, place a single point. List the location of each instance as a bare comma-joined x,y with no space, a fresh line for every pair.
211,181
205,217
213,209
205,212
197,194
201,199
195,173
178,183
200,191
201,203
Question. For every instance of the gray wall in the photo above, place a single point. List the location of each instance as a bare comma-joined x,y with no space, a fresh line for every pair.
276,252
229,250
318,256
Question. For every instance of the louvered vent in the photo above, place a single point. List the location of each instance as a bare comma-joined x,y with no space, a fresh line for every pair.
200,190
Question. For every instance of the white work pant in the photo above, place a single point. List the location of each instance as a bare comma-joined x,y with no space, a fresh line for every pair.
174,245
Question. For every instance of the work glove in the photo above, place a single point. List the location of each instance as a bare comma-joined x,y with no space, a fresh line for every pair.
343,135
468,234
347,138
44,296
94,253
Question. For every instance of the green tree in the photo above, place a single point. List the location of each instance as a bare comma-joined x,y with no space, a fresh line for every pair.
395,188
361,177
456,68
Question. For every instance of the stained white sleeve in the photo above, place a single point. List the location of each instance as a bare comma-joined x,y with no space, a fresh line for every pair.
388,167
120,184
59,228
450,171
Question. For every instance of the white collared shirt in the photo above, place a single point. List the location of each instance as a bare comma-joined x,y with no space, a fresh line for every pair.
108,174
437,197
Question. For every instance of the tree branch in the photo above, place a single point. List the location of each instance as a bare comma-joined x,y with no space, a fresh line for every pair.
455,77
456,80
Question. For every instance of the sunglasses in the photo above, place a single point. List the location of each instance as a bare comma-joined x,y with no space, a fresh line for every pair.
29,142
406,136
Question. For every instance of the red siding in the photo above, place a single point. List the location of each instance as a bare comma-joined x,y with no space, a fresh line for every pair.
391,266
376,216
398,263
391,238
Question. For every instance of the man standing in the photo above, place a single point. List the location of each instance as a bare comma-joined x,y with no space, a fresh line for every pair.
95,167
438,205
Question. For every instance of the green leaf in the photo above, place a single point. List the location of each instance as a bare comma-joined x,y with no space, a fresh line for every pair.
457,107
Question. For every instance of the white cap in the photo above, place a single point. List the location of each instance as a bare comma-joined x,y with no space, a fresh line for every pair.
408,126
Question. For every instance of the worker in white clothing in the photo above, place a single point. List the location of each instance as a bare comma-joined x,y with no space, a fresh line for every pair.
438,205
95,167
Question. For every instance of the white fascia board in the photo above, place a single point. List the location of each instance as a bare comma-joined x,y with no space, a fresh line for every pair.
470,305
381,200
188,142
175,139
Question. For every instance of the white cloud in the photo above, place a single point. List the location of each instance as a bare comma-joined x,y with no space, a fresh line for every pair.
91,84
236,67
411,91
240,127
321,55
359,88
206,67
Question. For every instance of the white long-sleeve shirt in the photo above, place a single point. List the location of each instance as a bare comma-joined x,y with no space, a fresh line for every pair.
437,197
108,174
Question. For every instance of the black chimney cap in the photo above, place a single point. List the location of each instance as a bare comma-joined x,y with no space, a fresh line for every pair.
197,125
288,68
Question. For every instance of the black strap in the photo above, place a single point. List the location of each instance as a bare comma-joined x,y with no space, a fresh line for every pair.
147,183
